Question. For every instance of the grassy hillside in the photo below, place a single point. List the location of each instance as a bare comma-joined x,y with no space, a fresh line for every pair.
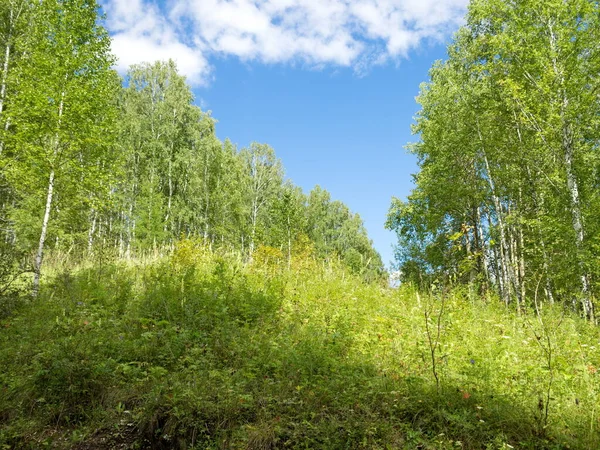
201,351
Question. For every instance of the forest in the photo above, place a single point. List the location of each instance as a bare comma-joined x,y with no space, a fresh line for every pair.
162,288
95,164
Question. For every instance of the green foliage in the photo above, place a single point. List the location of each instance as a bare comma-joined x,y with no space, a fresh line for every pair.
506,197
95,168
13,267
338,233
62,116
203,351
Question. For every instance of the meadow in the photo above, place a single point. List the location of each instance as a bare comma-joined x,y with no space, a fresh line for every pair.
201,350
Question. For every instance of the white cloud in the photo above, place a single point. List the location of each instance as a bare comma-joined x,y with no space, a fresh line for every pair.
141,33
346,33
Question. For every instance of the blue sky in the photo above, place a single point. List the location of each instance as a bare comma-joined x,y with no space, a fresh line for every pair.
329,84
329,127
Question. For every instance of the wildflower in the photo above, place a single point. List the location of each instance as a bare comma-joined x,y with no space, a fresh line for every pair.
472,361
466,395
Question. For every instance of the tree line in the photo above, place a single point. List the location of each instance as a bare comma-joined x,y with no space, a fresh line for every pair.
90,160
507,195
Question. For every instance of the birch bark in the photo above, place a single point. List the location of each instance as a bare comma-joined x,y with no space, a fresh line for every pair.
37,268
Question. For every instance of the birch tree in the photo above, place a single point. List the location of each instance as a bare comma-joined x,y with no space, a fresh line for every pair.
545,62
169,145
64,109
264,176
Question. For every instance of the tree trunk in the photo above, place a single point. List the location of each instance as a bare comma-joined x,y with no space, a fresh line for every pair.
514,266
253,235
504,257
548,285
15,13
497,272
170,199
568,150
92,231
206,196
121,244
522,263
482,248
4,74
40,253
130,222
3,88
586,302
289,236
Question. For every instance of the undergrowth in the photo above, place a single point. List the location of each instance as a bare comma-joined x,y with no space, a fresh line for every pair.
202,351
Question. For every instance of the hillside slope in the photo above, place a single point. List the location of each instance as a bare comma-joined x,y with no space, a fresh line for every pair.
202,351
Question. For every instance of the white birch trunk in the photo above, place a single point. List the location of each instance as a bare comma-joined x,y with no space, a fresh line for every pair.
289,236
522,264
15,13
170,199
40,252
3,88
121,244
206,197
92,230
37,268
4,75
514,265
253,235
482,247
504,263
572,184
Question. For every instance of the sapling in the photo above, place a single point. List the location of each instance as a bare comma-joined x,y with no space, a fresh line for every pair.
543,337
434,341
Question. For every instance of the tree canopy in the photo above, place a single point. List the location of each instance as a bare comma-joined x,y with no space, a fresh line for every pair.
506,196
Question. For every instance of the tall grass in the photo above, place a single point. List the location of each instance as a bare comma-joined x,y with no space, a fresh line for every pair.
199,350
